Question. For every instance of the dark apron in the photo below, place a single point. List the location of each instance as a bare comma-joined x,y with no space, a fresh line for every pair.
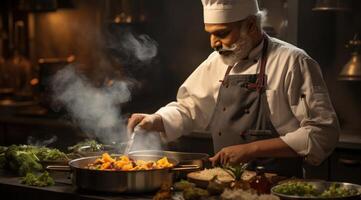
242,115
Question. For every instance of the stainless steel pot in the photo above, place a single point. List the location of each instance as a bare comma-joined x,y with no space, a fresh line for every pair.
121,181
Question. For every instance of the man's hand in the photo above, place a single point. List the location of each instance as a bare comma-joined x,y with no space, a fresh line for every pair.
242,153
234,155
147,122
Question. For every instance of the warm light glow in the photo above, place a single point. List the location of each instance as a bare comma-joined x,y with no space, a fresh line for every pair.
34,81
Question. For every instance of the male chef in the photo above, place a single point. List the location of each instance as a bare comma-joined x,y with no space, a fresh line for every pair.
263,100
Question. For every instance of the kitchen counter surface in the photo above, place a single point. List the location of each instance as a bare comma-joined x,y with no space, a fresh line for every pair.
11,188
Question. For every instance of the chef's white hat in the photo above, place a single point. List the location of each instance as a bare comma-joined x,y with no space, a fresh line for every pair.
226,11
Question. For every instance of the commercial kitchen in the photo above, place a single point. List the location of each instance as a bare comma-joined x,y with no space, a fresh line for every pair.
187,99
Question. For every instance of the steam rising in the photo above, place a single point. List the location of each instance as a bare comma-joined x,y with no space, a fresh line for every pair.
95,110
130,47
32,141
144,48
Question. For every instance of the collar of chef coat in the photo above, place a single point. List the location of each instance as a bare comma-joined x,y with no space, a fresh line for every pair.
253,58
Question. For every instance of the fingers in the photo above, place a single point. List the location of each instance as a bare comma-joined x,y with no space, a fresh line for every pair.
146,123
134,120
215,159
224,158
219,158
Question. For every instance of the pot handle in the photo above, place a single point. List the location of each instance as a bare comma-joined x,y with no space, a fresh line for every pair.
186,167
58,168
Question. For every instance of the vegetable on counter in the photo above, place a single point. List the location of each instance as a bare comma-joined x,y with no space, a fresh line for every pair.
42,180
2,160
182,185
92,144
23,159
2,157
195,193
50,154
165,192
3,149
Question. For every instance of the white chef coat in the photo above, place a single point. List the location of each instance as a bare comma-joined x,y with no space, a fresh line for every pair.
301,110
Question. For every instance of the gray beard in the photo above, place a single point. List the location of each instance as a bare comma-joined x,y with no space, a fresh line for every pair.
244,47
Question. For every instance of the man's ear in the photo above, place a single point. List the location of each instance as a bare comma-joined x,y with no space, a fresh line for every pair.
252,24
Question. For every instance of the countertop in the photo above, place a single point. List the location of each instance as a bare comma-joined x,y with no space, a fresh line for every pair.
11,188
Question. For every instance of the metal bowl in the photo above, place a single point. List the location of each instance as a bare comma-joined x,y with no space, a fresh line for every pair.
320,187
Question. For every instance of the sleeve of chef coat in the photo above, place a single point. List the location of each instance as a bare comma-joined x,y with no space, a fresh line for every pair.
194,105
310,103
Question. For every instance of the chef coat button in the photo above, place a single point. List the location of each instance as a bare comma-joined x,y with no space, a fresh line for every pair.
246,111
224,108
226,85
219,133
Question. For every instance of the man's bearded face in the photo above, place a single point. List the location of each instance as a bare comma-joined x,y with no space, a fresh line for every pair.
230,40
237,51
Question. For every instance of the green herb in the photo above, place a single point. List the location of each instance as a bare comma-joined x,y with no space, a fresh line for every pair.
26,158
22,160
3,149
50,154
296,188
2,161
42,180
92,144
194,193
336,190
236,171
182,185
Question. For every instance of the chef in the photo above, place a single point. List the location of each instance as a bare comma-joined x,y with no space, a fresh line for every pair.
263,100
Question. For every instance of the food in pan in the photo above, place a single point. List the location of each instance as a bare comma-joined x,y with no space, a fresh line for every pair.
124,163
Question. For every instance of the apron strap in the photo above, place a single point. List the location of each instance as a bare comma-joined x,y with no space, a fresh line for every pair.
229,68
261,78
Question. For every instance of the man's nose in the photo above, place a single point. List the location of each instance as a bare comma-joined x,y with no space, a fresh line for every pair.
215,43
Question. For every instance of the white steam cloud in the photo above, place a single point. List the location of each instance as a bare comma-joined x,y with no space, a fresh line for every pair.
95,110
139,49
43,143
143,47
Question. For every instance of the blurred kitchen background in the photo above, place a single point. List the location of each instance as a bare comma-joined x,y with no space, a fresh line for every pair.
40,37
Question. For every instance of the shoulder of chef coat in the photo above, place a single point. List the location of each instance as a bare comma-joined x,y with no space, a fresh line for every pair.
308,99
